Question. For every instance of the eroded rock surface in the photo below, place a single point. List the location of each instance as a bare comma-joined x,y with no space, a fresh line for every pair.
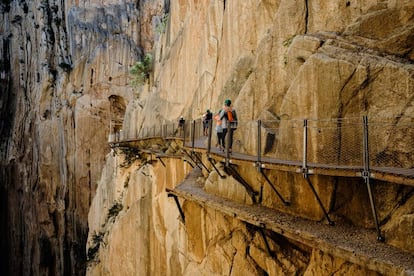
64,68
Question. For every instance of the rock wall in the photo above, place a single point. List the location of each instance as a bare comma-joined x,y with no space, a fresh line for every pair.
62,61
274,59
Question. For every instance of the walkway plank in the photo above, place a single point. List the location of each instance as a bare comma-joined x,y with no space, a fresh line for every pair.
393,175
403,176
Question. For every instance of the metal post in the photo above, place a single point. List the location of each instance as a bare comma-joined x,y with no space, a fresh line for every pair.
201,162
162,162
305,146
215,168
191,164
210,131
228,144
366,176
269,251
193,134
233,172
287,203
332,223
110,128
259,146
184,129
180,210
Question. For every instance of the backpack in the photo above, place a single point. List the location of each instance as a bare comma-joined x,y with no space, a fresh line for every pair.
232,118
209,116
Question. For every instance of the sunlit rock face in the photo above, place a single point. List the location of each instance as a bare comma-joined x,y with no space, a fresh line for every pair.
65,87
276,60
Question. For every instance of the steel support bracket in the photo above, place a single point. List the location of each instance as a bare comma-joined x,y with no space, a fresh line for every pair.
201,162
286,203
162,162
177,202
233,172
215,168
332,223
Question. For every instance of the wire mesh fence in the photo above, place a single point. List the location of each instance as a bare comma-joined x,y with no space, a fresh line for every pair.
335,142
330,142
391,143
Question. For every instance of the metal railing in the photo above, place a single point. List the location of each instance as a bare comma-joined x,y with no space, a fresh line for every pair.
165,131
346,142
357,144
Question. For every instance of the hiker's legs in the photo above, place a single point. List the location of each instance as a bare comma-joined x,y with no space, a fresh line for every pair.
231,138
224,137
220,139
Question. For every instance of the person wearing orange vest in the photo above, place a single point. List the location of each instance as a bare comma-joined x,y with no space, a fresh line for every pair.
228,117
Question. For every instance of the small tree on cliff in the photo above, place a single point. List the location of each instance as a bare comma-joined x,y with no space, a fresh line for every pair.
141,70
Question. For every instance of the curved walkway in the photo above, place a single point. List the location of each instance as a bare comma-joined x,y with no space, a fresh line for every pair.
381,149
345,241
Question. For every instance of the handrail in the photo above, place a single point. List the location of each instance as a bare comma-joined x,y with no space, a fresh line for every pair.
334,142
382,145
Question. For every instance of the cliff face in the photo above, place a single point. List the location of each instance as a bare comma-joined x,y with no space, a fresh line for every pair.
64,70
60,63
274,59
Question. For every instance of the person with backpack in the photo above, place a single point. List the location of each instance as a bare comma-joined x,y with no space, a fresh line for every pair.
181,123
228,116
206,121
219,131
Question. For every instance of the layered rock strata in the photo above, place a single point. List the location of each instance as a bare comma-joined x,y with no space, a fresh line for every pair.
64,68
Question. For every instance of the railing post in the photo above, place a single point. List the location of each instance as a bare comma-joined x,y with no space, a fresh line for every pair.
210,131
366,176
193,135
184,129
110,129
228,144
259,146
305,148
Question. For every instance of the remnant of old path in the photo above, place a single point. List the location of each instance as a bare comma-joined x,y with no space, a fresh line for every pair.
344,241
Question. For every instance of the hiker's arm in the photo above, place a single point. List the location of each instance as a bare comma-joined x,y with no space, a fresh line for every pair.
222,114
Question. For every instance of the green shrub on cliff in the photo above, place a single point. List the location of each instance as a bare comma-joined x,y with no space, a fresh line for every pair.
141,70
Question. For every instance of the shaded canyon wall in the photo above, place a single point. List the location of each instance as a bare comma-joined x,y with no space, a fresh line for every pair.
60,63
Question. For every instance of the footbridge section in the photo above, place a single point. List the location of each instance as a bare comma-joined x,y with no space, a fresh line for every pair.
378,148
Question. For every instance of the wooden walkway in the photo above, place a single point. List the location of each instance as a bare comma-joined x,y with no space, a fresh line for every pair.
353,244
348,242
393,175
389,174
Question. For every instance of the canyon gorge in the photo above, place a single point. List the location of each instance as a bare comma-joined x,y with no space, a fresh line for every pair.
75,203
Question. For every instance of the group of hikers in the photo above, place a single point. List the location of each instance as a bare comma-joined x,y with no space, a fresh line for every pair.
225,122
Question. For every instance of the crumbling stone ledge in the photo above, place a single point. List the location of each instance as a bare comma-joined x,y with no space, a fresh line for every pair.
353,244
